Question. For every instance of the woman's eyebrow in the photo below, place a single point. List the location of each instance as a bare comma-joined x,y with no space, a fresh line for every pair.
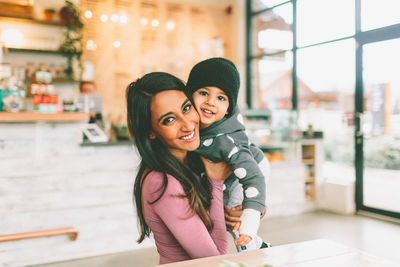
164,115
184,102
170,113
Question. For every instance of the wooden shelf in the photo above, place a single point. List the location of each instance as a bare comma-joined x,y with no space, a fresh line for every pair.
28,50
46,117
308,158
64,80
308,161
31,20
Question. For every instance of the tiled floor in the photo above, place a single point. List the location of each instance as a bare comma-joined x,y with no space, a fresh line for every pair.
371,235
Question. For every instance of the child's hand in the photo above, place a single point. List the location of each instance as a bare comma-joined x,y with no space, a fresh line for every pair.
242,240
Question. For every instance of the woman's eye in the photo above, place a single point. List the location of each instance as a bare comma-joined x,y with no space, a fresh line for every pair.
204,93
168,120
187,108
221,98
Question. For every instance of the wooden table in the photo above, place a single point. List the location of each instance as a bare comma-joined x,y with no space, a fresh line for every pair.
319,252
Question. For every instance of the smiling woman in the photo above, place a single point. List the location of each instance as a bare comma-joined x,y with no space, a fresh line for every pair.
172,195
177,126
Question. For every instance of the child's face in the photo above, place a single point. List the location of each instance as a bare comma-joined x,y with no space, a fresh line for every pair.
212,104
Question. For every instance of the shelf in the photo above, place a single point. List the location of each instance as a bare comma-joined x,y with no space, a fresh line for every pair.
29,20
27,50
263,114
308,161
64,80
46,117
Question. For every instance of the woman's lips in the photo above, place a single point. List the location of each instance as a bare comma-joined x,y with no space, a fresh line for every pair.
190,137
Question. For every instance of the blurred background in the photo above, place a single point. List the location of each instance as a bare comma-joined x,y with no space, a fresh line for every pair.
320,93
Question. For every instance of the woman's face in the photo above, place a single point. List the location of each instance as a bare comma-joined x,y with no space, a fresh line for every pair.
175,122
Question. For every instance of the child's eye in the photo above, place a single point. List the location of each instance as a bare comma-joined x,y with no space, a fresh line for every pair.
221,98
187,108
168,120
203,93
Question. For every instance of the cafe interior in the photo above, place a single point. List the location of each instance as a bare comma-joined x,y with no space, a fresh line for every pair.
319,94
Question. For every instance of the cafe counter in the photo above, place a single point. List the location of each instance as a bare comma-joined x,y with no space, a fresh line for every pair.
50,180
47,117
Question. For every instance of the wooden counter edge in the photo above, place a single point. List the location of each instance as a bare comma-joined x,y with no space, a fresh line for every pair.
45,117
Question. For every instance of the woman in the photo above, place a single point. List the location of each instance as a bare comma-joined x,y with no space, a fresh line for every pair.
182,208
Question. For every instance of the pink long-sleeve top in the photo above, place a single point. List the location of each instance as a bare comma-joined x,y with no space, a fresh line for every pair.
180,235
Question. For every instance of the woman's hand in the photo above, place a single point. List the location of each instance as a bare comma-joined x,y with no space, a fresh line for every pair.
232,216
217,171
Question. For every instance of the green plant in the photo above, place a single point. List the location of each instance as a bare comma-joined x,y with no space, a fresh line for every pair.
50,10
72,44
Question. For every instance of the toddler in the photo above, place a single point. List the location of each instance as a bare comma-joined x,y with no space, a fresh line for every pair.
213,86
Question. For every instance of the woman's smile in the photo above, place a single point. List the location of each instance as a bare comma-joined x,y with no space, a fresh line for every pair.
189,138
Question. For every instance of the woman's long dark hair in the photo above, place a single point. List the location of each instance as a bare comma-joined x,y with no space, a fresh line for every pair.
155,155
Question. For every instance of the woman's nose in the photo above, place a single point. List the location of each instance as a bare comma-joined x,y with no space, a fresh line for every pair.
187,124
190,122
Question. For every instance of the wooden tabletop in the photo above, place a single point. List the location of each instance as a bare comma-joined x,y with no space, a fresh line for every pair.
320,252
48,117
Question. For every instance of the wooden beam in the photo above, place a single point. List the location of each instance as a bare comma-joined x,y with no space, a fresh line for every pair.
70,231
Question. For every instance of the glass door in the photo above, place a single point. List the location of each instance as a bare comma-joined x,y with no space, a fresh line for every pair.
380,127
377,107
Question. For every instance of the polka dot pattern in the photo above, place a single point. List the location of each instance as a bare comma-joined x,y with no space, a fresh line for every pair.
233,151
223,187
251,192
240,119
240,173
208,142
230,138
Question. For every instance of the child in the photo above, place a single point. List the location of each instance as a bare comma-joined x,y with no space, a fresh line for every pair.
213,87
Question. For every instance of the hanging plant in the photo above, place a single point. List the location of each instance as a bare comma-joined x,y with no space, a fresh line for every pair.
72,44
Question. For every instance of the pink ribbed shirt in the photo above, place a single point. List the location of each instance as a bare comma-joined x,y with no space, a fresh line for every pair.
178,234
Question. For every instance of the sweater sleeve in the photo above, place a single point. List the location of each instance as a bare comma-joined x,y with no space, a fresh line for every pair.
186,227
243,165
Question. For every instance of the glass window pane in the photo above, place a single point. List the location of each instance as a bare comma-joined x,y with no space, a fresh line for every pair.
272,31
326,81
272,94
272,82
323,20
381,125
376,14
262,4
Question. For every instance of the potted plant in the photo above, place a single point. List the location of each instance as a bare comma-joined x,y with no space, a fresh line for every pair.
72,44
49,14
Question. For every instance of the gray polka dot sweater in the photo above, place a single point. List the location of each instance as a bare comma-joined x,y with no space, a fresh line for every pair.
227,141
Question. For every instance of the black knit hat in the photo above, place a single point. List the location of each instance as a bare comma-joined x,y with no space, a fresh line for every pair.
218,72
